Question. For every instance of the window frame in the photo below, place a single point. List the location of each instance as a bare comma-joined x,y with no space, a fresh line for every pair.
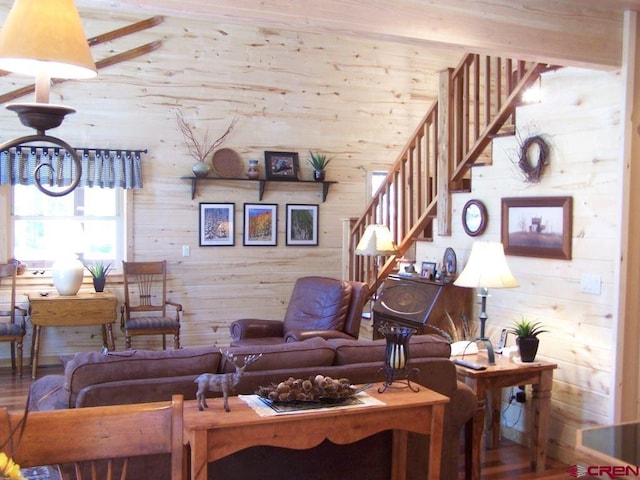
124,216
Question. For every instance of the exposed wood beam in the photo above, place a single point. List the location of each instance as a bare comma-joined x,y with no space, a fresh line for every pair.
586,33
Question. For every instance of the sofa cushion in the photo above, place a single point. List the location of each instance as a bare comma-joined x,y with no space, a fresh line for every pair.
90,368
364,351
314,352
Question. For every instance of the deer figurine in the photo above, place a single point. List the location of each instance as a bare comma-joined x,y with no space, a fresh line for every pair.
222,382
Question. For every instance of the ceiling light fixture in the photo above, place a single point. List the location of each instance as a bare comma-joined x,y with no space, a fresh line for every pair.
45,39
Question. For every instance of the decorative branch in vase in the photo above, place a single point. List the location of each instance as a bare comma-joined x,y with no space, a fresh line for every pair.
200,150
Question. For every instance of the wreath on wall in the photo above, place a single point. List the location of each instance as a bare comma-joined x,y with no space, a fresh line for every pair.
533,170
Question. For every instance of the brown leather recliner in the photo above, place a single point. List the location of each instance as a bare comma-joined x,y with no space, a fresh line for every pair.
319,307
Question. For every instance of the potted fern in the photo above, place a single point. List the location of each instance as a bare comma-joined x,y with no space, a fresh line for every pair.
319,162
99,273
526,333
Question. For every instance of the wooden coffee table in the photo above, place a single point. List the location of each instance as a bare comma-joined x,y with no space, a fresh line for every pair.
506,373
213,434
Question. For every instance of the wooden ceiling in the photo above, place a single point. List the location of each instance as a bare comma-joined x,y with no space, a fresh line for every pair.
585,33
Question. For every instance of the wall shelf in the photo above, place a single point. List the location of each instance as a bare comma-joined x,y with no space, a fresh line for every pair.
262,183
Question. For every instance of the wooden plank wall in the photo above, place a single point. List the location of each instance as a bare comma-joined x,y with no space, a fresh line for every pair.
354,99
580,118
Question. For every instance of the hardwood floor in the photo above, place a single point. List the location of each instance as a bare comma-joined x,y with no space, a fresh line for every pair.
509,461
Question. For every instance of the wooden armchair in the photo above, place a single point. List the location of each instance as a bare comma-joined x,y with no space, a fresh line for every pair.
95,440
144,311
12,326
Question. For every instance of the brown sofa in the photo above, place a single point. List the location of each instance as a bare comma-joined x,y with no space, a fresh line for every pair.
92,379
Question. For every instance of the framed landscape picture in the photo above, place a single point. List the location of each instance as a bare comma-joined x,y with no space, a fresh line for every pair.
281,165
217,224
537,226
302,224
260,224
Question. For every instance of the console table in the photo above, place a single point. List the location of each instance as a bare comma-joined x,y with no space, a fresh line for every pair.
213,434
83,309
506,373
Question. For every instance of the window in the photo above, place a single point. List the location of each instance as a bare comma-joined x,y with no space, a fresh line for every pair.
89,222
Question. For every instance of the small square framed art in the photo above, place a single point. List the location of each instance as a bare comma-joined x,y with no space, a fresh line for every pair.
260,224
217,224
302,224
281,165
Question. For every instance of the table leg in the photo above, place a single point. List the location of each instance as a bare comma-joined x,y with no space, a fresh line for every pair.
399,455
474,429
495,404
435,442
541,398
198,444
107,336
35,350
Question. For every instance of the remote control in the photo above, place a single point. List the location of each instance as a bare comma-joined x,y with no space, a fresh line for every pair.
471,365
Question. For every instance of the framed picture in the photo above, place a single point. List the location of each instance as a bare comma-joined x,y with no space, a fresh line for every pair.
281,165
302,224
428,270
260,224
537,226
217,224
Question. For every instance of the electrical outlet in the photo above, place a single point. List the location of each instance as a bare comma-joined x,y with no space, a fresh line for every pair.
591,283
186,251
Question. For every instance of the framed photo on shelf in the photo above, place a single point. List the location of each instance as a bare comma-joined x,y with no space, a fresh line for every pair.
428,270
260,224
302,224
537,226
281,165
217,221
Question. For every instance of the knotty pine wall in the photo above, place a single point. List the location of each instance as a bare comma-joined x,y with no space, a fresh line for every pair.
580,118
357,100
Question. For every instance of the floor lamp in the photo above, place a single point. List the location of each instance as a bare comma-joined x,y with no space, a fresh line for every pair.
487,268
376,242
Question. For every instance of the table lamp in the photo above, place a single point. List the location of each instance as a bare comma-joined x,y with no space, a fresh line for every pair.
487,268
45,39
376,242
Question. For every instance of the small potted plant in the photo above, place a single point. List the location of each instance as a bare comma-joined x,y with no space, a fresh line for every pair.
99,273
319,162
526,333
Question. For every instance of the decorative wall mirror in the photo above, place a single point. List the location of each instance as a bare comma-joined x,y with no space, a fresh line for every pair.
474,218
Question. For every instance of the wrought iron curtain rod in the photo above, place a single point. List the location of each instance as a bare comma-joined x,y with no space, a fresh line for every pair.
84,150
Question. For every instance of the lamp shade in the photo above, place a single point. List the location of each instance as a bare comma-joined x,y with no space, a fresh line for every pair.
45,36
376,240
487,268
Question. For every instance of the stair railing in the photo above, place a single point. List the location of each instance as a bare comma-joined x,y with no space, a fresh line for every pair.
476,100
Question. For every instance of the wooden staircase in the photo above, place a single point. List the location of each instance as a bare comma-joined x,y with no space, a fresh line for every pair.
476,101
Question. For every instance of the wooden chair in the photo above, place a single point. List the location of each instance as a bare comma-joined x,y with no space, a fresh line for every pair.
97,440
11,330
144,311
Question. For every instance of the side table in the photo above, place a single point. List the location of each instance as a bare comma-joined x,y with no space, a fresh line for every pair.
506,373
85,308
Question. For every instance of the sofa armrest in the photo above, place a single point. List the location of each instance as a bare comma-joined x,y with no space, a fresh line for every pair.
300,335
256,328
48,393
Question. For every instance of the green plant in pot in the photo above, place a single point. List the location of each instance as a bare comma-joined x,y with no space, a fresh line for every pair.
99,273
319,162
526,333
